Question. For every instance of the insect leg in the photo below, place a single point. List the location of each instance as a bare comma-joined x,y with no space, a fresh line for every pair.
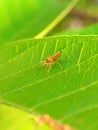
49,68
43,63
59,65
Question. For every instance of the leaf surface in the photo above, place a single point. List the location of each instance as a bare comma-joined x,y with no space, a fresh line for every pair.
67,93
12,118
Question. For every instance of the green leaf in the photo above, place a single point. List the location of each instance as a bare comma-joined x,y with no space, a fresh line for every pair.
67,93
28,18
15,119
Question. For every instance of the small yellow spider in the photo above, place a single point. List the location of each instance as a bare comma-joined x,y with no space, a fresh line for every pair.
52,60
